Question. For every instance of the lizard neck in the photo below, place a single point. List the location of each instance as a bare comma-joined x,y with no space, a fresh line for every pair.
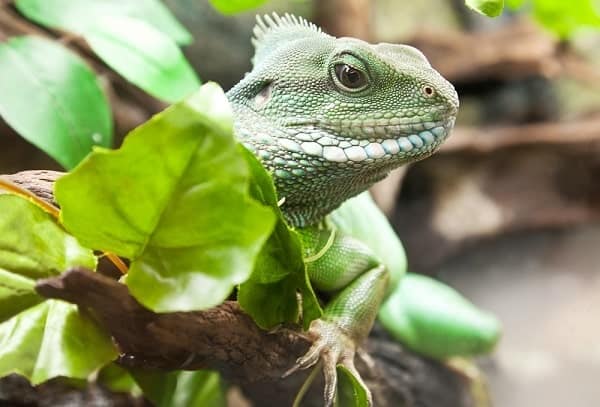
310,185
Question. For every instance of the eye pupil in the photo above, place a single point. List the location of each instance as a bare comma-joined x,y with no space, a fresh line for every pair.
352,74
350,77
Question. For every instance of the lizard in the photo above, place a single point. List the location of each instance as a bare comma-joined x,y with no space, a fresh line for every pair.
328,117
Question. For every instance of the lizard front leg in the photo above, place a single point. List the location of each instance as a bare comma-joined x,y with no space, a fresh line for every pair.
347,269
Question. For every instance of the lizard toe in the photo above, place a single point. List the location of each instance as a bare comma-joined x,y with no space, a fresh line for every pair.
332,347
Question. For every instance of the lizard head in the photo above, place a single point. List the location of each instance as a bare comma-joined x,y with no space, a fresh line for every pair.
339,108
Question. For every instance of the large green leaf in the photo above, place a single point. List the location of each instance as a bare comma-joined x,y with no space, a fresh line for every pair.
435,320
191,389
270,295
53,339
566,17
513,4
77,15
41,341
52,99
173,199
33,245
563,18
235,6
138,39
17,293
143,55
490,8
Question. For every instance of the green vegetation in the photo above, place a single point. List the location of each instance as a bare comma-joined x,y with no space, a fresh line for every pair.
563,18
183,177
51,97
64,111
193,211
490,8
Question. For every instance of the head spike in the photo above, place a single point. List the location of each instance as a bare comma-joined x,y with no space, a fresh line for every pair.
271,30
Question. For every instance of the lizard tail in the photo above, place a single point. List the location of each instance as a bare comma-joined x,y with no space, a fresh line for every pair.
433,319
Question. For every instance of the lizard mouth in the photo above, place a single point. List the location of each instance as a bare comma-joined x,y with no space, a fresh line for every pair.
371,141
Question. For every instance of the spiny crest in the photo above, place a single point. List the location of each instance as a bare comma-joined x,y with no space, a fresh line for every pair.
271,30
269,24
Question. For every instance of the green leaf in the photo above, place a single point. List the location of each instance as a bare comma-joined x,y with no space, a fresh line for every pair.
143,55
562,18
53,339
77,15
173,199
33,245
235,6
513,4
41,340
138,39
52,99
270,295
191,389
270,304
17,293
350,392
117,379
490,8
565,18
434,320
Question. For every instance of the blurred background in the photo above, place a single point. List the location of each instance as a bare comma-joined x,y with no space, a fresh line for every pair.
508,212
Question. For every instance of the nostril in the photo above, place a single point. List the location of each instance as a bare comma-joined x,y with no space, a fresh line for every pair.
263,96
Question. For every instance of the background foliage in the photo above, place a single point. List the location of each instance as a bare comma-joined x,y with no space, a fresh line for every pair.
52,97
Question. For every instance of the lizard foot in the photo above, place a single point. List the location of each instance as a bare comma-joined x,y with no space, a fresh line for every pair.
332,346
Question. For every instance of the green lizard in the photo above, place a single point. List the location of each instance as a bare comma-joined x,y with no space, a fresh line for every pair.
329,117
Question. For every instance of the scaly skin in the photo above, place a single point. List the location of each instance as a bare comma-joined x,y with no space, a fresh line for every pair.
326,143
329,117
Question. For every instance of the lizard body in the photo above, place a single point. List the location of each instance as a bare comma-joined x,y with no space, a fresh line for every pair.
328,117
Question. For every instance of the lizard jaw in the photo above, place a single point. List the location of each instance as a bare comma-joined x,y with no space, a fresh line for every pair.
409,141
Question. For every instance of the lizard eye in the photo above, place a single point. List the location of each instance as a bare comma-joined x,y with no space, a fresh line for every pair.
428,91
351,78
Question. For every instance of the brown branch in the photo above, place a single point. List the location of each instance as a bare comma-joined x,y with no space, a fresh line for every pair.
489,182
226,339
222,338
39,182
516,50
486,140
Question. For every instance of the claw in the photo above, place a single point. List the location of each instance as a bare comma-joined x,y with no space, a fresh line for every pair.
330,373
308,360
333,347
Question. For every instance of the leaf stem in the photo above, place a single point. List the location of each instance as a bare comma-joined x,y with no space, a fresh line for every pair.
306,385
22,192
117,261
55,212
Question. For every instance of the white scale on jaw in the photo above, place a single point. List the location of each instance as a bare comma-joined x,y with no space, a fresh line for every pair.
324,147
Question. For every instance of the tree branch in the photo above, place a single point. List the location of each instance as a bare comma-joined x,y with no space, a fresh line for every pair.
224,338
